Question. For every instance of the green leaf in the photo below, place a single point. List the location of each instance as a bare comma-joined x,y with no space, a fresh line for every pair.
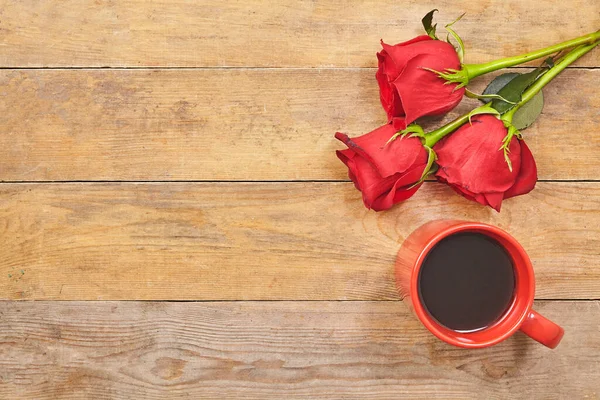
528,113
427,20
514,89
483,97
498,83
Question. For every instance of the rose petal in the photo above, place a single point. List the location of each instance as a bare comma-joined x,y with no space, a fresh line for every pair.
396,56
387,94
371,183
470,158
346,156
527,177
494,200
486,199
401,189
479,198
396,157
391,62
399,123
422,92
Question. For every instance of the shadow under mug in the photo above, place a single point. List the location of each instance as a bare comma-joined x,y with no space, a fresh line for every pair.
518,316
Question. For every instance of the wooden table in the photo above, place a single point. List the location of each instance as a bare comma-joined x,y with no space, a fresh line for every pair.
175,223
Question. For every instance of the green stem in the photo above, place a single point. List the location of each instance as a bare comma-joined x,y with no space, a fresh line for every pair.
475,70
433,137
548,76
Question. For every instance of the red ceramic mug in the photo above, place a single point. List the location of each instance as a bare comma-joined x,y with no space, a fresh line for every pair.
518,316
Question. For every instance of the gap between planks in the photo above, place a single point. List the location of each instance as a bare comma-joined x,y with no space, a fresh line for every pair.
243,181
590,300
85,68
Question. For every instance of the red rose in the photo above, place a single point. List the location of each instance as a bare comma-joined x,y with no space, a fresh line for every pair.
471,163
385,174
408,91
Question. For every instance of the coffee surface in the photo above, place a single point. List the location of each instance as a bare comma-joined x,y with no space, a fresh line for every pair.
467,281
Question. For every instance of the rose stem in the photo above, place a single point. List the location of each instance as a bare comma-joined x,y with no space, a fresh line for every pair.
548,76
475,70
435,136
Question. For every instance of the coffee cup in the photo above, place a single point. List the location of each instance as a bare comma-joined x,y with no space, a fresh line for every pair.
471,284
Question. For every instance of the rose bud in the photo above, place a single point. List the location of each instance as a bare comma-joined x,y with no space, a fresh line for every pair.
385,171
408,87
484,163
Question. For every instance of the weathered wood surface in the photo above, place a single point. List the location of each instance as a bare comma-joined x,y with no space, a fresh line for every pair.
302,71
250,124
286,33
269,241
274,350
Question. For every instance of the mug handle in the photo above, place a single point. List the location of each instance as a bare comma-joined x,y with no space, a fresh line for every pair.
542,329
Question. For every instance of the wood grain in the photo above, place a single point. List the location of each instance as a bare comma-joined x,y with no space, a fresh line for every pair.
272,350
253,91
275,124
269,241
271,34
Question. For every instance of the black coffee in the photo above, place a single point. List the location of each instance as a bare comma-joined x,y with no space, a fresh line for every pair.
467,281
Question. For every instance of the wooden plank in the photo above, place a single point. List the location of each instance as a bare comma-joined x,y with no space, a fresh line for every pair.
271,350
274,34
269,241
275,125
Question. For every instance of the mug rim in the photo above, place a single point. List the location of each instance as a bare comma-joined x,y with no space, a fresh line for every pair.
516,313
